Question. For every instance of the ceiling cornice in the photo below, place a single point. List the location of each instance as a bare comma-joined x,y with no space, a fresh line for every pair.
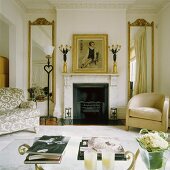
105,4
89,4
91,1
50,6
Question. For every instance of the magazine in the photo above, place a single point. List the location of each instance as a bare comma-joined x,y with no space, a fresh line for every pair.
49,145
100,143
41,159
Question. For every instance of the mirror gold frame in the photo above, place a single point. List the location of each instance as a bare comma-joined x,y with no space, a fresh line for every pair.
39,22
142,23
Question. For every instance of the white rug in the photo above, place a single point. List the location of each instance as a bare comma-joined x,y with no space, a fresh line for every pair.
115,131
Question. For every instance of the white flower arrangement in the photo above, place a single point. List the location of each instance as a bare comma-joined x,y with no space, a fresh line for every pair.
153,141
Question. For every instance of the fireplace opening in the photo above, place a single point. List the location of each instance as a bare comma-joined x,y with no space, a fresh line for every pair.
90,101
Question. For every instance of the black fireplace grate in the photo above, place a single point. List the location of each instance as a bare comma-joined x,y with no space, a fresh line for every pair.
87,107
90,101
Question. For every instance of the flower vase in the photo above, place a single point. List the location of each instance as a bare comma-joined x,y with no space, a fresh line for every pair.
154,160
114,67
65,67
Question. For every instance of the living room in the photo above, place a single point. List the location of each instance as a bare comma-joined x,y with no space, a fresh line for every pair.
65,27
73,18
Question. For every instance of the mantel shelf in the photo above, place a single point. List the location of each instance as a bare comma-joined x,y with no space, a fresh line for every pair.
90,74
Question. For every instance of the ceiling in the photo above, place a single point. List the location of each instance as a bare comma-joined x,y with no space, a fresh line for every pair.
33,5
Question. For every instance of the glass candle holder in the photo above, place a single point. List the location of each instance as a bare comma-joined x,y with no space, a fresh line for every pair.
108,159
90,160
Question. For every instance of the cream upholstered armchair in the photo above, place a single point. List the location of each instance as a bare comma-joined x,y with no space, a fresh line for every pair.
15,112
148,110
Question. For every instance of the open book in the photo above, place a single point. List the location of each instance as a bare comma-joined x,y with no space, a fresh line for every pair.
49,145
100,143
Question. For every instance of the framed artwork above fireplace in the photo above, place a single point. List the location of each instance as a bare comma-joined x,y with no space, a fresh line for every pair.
90,53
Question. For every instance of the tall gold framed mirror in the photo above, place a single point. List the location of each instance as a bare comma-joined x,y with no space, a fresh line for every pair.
140,57
40,35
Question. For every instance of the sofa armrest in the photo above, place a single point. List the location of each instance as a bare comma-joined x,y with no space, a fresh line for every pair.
28,104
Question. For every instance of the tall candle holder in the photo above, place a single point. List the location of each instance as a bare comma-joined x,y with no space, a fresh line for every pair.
114,49
64,49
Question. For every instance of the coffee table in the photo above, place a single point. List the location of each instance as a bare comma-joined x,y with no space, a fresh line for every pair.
10,159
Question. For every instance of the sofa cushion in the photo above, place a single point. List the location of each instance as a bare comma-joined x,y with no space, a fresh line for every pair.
17,114
28,104
10,98
146,113
21,124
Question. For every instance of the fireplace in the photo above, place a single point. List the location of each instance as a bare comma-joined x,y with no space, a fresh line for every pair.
107,97
90,101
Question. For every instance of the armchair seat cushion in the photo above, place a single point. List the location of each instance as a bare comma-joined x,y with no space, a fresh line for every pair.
146,113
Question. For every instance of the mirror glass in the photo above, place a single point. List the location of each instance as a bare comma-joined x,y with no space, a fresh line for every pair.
40,36
140,59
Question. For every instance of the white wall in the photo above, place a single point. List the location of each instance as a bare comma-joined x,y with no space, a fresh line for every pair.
4,40
13,16
111,22
163,47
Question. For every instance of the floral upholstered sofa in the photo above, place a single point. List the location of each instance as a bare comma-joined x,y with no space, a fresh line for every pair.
15,112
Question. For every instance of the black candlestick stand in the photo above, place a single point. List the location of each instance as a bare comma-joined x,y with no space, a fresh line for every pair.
48,68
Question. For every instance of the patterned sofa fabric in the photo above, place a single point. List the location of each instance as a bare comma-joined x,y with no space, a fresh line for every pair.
15,113
28,104
10,98
9,127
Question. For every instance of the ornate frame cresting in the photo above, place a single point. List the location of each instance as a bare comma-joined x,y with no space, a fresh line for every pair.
80,53
40,21
144,23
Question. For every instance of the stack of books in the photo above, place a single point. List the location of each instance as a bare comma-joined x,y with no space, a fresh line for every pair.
47,150
100,143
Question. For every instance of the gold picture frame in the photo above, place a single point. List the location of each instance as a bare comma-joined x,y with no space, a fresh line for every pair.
90,53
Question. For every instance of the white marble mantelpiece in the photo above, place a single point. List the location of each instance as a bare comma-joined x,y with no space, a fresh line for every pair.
89,74
71,78
110,76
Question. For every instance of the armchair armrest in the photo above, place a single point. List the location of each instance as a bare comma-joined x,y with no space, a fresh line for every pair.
28,104
165,113
135,101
